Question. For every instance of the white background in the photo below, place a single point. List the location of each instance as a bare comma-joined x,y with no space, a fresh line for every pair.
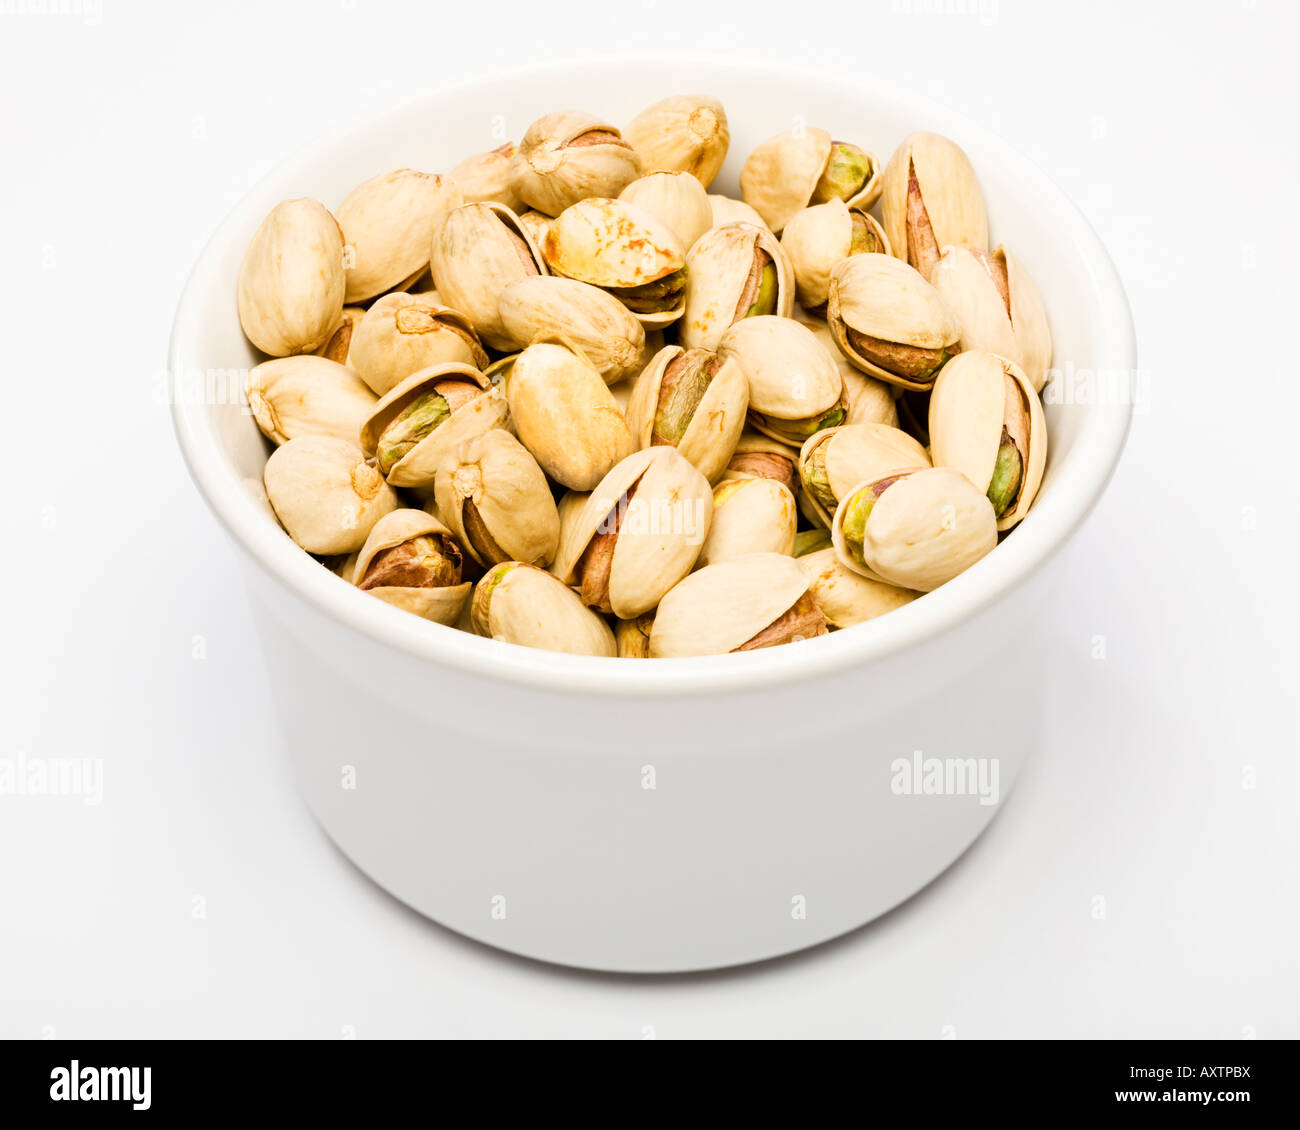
200,899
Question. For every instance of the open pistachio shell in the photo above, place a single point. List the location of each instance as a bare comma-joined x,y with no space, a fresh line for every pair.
737,605
834,461
633,636
339,343
442,594
997,306
326,493
404,333
806,166
569,156
817,238
677,200
867,400
916,529
750,516
424,448
477,252
387,223
536,224
495,498
686,133
845,597
307,395
930,199
758,456
986,422
639,533
728,210
564,413
733,272
699,409
592,321
521,604
485,178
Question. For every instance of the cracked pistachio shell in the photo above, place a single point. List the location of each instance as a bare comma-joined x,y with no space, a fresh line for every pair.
564,413
793,382
291,284
924,529
750,516
997,306
479,250
326,493
983,404
709,428
783,175
930,199
403,333
728,210
761,457
339,344
633,636
868,400
479,414
536,224
521,604
307,395
493,495
387,223
443,603
677,200
569,156
656,534
485,178
687,133
591,320
722,607
834,461
817,238
724,281
570,508
845,597
883,298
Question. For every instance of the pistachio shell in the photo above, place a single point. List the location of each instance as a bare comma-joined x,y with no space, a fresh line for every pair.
779,177
485,178
846,598
326,494
592,321
387,223
491,484
307,395
536,224
555,166
727,210
442,604
479,250
750,516
404,333
719,282
521,604
338,345
677,200
846,456
291,284
633,636
868,401
566,416
758,456
723,606
686,133
815,240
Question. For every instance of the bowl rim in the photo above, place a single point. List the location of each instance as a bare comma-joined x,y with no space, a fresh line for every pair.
1095,450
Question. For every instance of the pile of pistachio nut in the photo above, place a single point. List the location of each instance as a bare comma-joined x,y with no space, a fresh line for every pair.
565,397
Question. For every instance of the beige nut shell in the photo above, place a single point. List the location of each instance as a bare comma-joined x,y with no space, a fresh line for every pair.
867,400
729,210
485,178
815,240
750,516
791,375
949,189
529,607
678,200
847,598
717,269
549,174
855,453
686,133
443,605
403,333
308,395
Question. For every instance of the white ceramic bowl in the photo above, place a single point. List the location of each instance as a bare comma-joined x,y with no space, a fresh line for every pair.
671,814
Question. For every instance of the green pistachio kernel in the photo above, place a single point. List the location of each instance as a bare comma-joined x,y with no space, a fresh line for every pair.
1007,472
846,173
412,424
810,541
765,300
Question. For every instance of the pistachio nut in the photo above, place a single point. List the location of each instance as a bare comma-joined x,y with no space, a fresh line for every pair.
387,223
478,251
807,542
834,461
733,272
485,178
326,493
404,333
916,529
307,395
687,133
495,498
535,225
750,516
411,561
339,343
819,237
728,210
807,166
521,604
570,506
639,533
758,456
795,387
570,156
592,321
868,401
930,199
428,415
633,636
564,413
845,597
747,603
291,282
987,423
626,250
692,400
677,200
997,307
889,322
